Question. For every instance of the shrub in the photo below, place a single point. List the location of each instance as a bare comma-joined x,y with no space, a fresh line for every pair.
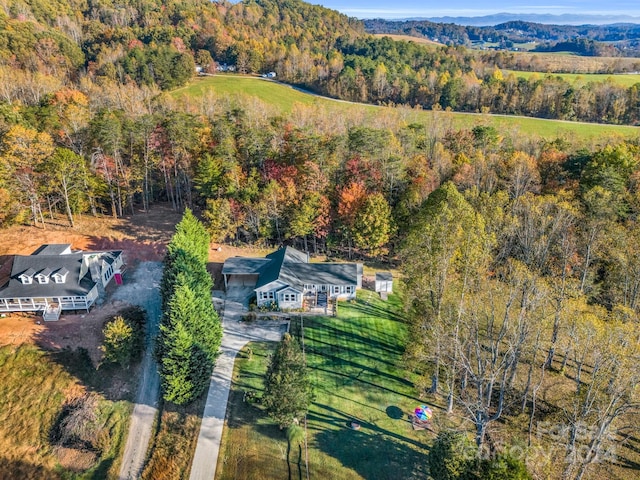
505,467
124,337
453,456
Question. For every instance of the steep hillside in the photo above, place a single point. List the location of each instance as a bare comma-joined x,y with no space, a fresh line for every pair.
159,42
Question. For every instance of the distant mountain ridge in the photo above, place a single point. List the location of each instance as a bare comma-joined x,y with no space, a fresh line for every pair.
564,19
611,40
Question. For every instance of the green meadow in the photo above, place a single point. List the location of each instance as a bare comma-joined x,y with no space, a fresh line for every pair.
285,98
276,94
623,79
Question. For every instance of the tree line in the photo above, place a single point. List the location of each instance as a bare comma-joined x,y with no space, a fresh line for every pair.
321,181
190,330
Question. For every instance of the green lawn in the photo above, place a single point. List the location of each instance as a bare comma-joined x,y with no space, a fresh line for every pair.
283,98
355,362
275,94
626,80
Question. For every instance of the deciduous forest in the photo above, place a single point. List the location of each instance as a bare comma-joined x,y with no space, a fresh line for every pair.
518,252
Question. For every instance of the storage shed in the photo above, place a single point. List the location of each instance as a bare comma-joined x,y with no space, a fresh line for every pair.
384,282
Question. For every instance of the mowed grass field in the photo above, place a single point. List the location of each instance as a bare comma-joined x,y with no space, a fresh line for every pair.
284,98
408,38
279,95
355,363
623,79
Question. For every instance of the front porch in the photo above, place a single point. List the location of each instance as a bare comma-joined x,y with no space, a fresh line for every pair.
49,306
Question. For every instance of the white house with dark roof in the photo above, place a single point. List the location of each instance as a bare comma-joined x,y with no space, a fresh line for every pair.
53,279
286,278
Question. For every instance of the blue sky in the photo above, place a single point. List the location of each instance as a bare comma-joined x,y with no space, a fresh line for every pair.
475,8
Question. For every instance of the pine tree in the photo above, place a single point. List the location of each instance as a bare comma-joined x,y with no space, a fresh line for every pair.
191,332
192,237
185,367
288,392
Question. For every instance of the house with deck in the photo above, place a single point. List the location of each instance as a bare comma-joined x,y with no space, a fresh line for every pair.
287,279
55,278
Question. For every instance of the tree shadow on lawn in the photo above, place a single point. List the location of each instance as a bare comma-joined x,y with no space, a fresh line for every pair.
631,446
342,363
351,380
109,379
369,309
20,469
373,452
354,338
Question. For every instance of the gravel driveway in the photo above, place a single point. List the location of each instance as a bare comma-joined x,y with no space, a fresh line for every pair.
143,290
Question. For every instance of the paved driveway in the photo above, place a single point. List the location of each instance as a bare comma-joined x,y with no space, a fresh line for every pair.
236,335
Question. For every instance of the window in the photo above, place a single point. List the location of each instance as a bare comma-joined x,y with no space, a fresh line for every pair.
349,289
289,297
266,295
335,289
108,274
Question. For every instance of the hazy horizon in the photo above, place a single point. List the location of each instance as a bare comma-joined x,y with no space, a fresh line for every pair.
469,8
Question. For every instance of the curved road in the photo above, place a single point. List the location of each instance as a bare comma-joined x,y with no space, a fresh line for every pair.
143,291
236,335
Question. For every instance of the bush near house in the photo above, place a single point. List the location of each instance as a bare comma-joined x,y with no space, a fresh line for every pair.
124,337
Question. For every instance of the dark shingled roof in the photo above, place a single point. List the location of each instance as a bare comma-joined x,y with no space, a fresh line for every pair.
243,265
319,274
73,286
46,264
62,272
292,267
45,272
273,270
52,249
384,276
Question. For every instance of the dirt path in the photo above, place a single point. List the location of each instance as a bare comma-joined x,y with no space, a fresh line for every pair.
144,291
236,335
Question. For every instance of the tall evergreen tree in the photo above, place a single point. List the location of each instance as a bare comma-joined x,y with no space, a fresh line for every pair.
190,333
184,367
287,388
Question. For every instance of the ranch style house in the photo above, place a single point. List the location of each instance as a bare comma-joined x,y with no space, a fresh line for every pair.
55,278
287,279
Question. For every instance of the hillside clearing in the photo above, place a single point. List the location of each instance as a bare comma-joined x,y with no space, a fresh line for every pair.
284,99
622,79
408,38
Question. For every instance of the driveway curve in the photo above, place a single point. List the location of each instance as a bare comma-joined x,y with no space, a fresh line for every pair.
143,291
235,336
